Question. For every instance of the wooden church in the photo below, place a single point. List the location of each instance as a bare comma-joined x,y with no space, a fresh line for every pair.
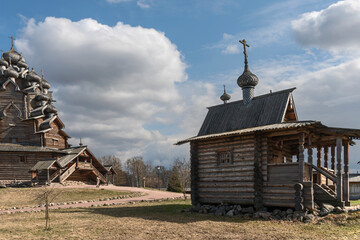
34,145
252,152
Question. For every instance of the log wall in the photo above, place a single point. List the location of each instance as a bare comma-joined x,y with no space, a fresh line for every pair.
228,182
11,168
53,138
12,127
279,190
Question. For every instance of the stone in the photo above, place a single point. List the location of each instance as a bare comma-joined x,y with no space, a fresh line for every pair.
265,215
220,211
323,212
339,210
276,212
289,211
328,207
238,207
248,210
309,217
230,213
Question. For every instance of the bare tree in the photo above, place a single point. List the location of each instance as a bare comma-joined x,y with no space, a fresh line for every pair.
116,164
46,196
136,170
182,168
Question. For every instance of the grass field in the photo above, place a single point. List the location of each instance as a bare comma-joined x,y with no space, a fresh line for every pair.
21,197
165,221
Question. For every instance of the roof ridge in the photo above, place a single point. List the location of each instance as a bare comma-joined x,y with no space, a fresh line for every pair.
257,97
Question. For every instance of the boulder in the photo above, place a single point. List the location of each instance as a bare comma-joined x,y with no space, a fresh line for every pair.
230,213
323,212
248,210
220,211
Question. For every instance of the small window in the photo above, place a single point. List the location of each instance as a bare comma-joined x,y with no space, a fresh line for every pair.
55,141
22,159
13,140
224,157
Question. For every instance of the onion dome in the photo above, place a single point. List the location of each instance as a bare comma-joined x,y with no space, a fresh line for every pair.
22,64
41,97
11,72
13,55
45,84
247,78
225,97
33,77
3,62
50,109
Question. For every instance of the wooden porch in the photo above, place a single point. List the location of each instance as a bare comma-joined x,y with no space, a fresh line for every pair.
320,181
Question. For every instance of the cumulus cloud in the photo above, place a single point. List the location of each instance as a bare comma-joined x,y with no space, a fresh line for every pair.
231,49
335,28
143,4
112,84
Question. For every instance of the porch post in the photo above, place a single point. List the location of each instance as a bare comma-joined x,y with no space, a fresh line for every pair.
333,158
346,173
339,174
310,158
113,177
318,176
326,160
301,157
48,176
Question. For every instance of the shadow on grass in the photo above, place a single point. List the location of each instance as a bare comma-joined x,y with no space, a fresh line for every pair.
166,212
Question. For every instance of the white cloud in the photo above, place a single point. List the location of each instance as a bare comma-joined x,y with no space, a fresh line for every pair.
335,28
231,49
140,3
111,82
143,4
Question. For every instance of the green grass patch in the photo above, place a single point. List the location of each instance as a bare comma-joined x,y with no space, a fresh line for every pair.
354,202
22,197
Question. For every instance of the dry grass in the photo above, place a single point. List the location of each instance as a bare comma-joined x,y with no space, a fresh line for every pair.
21,197
164,221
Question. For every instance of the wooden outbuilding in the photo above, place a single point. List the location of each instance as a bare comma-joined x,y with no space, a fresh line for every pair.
252,152
33,143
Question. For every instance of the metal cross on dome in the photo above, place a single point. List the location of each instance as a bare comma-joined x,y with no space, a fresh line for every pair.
12,41
243,42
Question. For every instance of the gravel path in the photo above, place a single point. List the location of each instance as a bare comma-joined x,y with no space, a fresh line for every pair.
149,195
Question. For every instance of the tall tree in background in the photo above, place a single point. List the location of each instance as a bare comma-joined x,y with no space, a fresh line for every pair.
136,170
174,184
182,168
117,166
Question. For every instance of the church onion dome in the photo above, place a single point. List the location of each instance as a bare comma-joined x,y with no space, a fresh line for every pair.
41,97
45,84
50,109
12,56
11,72
225,97
247,78
3,62
33,77
22,64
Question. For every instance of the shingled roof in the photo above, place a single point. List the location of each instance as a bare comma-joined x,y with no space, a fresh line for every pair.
262,110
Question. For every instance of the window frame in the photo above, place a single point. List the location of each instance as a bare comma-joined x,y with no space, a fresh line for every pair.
222,159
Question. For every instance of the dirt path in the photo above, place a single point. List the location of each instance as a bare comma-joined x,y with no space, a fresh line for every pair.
150,195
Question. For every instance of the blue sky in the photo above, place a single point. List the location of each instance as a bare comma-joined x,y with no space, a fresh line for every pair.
131,77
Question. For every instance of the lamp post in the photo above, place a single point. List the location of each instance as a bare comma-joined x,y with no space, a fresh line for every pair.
158,168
